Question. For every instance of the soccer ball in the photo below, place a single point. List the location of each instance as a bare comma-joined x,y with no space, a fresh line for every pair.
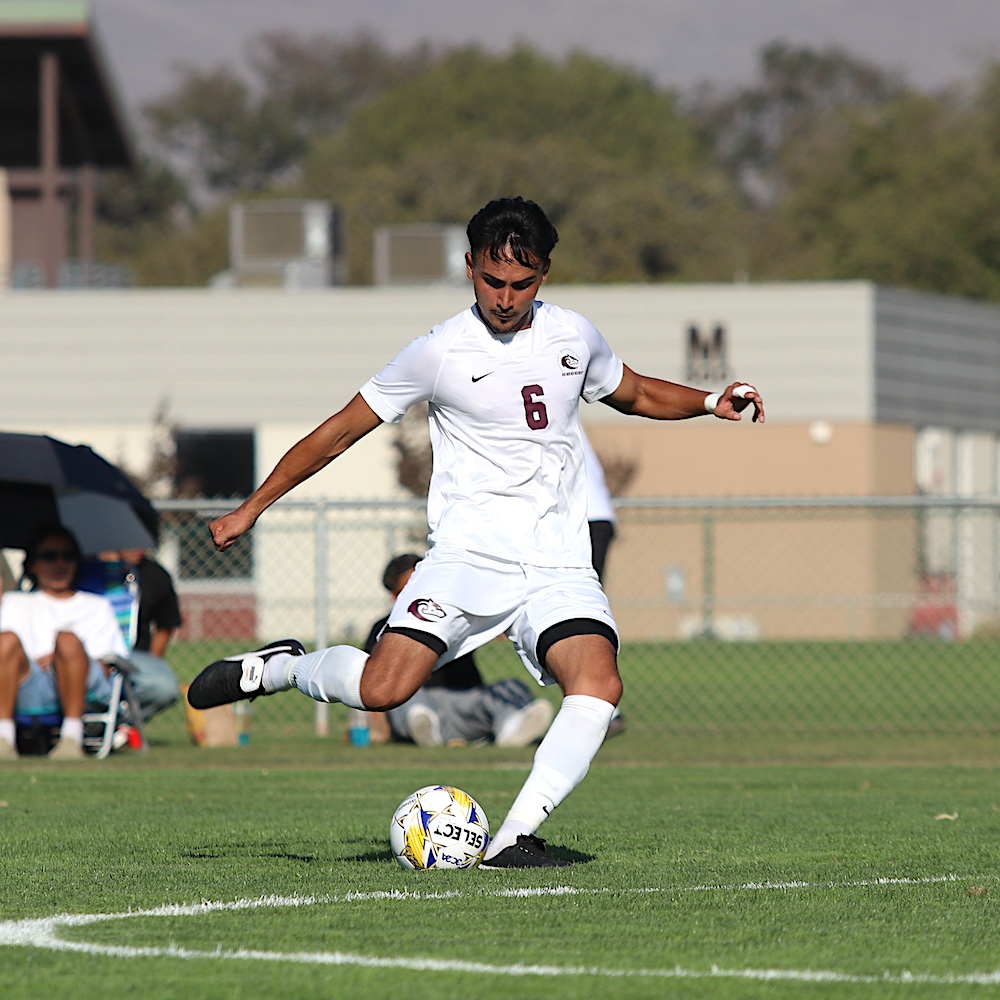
439,827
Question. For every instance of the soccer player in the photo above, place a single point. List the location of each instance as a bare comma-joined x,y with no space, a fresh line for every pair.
507,511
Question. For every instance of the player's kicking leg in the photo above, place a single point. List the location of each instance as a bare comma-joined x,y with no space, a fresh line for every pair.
392,674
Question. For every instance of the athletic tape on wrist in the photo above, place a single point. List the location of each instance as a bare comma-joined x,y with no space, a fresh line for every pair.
712,401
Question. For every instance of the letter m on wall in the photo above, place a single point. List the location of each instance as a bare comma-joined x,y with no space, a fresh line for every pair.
707,354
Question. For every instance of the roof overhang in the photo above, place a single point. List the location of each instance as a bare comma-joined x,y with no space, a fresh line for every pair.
92,126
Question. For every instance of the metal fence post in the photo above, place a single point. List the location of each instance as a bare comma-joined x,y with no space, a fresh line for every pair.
322,611
708,577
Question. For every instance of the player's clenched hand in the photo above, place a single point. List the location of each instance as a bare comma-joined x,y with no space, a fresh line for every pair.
226,529
737,398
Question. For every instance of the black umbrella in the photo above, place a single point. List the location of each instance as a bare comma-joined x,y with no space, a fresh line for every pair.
43,480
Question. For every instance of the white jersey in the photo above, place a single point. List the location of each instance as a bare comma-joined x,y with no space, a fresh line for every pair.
35,618
508,478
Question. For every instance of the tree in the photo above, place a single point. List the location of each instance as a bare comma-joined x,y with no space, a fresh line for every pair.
234,134
826,167
907,195
141,215
151,193
615,163
170,253
317,81
749,128
227,139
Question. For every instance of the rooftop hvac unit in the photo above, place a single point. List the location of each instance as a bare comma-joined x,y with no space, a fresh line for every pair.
284,243
422,254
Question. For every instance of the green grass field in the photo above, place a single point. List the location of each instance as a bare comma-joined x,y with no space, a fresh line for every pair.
265,872
845,848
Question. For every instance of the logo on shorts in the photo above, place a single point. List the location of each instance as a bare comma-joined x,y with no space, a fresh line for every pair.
570,364
426,610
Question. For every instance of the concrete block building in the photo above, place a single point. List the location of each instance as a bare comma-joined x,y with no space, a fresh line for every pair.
870,391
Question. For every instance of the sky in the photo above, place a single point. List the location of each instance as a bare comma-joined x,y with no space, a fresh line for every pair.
679,43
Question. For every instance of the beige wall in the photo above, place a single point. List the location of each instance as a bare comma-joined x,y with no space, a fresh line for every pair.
769,574
773,575
707,458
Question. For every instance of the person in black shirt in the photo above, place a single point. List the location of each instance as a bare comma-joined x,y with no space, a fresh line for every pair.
153,679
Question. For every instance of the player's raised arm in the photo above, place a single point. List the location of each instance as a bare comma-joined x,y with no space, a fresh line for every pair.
314,452
644,396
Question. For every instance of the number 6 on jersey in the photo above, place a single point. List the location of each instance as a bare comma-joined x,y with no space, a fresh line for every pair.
534,411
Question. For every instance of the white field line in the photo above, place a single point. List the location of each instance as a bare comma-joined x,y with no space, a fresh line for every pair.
43,932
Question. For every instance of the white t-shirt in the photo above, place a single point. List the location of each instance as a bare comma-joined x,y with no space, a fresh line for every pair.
508,477
35,618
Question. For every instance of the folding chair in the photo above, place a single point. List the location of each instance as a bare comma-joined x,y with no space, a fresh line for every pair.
36,732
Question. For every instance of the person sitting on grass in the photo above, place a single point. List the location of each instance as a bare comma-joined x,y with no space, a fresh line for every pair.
52,640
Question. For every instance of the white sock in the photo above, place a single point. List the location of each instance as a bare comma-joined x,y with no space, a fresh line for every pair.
8,731
332,674
562,760
276,673
72,729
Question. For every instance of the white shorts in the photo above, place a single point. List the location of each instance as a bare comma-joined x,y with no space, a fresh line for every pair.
464,600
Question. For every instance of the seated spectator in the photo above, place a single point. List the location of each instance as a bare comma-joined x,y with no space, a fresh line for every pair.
153,680
52,640
455,707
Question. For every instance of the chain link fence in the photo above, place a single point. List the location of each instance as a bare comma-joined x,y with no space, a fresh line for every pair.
842,617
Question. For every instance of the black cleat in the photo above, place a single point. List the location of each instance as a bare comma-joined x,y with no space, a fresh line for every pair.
239,677
528,852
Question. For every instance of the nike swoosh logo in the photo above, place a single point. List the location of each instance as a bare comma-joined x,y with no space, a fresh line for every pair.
477,378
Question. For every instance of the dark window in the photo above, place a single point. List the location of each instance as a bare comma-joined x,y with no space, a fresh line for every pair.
214,465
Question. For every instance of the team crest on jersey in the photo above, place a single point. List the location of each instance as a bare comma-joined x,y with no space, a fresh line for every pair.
426,610
570,364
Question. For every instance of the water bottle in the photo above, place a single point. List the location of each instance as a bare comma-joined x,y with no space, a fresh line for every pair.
241,717
359,731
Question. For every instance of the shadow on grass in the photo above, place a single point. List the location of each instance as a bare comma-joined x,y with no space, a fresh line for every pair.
380,856
243,851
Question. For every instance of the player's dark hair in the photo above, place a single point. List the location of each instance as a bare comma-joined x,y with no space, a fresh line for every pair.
397,567
515,223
